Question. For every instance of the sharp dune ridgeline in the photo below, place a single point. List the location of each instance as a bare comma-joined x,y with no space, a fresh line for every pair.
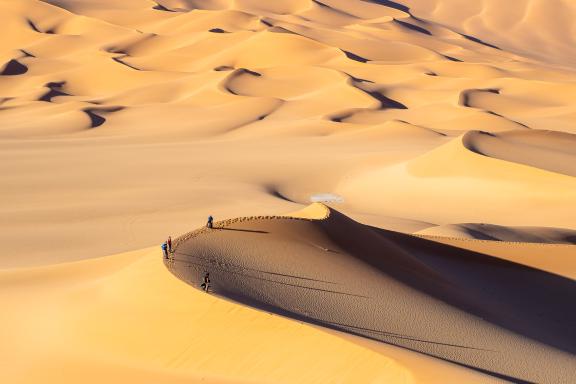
499,317
440,133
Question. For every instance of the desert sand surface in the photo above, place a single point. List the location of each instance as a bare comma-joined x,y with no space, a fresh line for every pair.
499,317
445,127
126,318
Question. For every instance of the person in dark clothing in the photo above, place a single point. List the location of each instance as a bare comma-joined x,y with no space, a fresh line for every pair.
169,242
165,250
210,223
206,284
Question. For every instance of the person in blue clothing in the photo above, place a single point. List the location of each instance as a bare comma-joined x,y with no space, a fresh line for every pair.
210,223
165,250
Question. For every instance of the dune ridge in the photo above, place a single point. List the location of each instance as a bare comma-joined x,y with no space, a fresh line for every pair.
554,151
493,232
369,282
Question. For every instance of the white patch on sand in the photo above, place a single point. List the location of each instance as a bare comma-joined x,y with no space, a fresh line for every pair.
326,198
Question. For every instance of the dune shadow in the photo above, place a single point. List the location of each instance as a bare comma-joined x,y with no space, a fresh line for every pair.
274,191
450,58
390,4
461,306
160,7
522,299
14,68
120,61
386,102
400,336
355,57
235,269
33,26
465,95
341,118
54,90
96,115
413,27
479,41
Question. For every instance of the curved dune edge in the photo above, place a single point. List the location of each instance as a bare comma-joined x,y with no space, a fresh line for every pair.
520,251
450,182
460,157
482,231
546,150
553,258
315,211
390,287
163,331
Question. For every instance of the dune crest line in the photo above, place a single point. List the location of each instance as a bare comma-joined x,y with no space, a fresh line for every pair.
458,305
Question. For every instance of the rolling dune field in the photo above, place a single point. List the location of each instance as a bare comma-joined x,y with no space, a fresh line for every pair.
428,148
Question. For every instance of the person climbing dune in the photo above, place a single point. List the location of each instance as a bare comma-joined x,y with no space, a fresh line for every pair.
169,242
210,223
165,250
206,284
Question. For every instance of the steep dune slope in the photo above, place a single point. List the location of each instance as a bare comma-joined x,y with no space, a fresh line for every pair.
501,318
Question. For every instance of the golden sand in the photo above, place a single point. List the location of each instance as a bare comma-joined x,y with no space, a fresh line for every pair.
122,122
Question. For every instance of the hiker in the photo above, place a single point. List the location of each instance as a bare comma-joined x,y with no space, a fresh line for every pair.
210,222
165,250
206,284
169,242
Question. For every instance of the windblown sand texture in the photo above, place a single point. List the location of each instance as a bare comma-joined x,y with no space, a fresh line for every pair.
499,317
446,127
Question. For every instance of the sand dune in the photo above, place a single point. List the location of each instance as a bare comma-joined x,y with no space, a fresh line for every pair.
543,197
124,121
552,151
125,317
496,232
528,24
530,254
495,316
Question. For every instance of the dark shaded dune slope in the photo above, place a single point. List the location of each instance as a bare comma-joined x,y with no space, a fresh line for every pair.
498,317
